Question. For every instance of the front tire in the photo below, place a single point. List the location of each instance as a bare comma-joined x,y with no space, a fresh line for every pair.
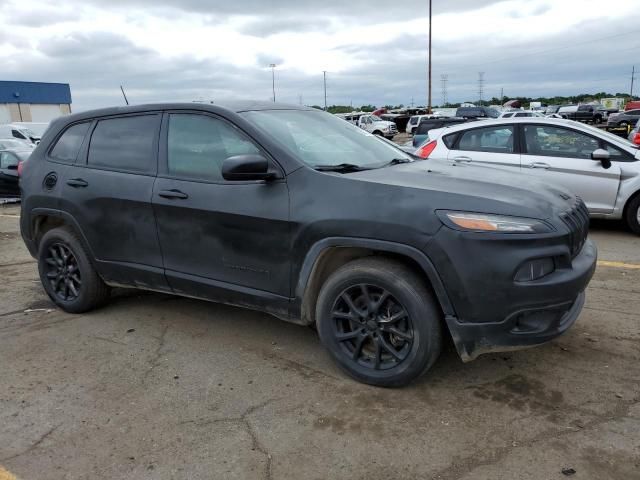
632,215
379,322
67,274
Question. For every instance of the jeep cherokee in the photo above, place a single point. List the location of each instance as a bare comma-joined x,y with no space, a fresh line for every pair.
292,211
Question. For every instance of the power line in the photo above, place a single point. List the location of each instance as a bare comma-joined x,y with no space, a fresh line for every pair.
444,78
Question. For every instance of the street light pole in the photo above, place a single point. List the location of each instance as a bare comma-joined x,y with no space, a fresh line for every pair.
429,99
324,77
273,79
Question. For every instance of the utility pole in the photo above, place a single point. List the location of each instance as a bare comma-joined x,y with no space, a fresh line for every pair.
502,96
429,97
633,76
324,77
273,79
444,78
127,101
480,86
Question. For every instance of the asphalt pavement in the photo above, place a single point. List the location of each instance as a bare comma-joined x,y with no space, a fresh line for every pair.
160,387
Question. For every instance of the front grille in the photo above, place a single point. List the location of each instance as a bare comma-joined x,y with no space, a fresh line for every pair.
577,219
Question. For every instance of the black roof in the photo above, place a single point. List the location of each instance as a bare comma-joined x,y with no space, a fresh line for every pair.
231,106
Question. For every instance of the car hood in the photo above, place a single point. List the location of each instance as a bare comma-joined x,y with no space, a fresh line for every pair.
477,188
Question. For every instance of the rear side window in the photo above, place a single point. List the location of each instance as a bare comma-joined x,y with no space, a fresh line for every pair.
498,139
125,144
450,140
68,145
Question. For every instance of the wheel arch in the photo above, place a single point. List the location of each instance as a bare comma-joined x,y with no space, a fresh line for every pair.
44,219
325,256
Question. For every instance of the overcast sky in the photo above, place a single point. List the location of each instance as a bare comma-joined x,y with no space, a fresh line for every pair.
374,51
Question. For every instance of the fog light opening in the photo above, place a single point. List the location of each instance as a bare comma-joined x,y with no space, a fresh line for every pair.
535,269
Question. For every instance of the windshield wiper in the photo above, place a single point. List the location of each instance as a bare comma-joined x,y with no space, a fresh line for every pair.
340,168
398,161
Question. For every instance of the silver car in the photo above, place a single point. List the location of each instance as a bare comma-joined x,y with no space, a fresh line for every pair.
600,167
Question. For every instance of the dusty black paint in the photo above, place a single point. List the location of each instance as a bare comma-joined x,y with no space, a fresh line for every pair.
255,243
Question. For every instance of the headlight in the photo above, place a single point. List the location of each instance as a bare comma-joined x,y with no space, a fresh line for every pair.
480,222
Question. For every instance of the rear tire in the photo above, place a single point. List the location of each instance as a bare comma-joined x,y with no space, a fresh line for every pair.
632,215
379,321
67,274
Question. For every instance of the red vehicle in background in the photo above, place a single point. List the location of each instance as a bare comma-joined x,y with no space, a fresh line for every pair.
632,105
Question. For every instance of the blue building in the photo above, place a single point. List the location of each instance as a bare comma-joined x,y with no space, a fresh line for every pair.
33,101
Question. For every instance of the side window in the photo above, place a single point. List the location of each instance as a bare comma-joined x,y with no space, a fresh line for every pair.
618,155
508,115
18,134
8,160
490,139
68,145
125,143
450,139
198,144
558,142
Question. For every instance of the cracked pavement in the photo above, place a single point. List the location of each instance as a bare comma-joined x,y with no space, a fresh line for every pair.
203,391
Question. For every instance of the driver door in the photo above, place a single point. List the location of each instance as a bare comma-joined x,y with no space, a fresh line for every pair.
563,156
218,235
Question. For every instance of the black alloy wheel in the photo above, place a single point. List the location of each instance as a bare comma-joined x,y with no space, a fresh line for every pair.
63,272
372,327
380,321
67,273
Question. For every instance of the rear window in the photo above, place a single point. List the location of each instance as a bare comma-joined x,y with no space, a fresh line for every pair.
424,127
68,145
125,144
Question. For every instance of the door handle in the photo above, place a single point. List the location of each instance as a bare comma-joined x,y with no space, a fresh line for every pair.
546,166
173,194
462,159
77,183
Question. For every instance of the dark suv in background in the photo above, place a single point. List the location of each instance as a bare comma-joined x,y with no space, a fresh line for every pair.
477,112
295,212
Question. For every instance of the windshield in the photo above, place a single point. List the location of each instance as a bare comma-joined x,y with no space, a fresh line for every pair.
322,139
493,113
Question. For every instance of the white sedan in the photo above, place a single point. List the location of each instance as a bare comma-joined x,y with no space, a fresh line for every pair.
601,168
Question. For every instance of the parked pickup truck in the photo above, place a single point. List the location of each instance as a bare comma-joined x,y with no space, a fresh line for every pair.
377,126
583,113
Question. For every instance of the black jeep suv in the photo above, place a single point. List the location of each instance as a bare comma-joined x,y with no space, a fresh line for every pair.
297,213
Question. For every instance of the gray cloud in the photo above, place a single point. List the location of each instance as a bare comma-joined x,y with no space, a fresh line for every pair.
270,26
39,18
360,9
586,59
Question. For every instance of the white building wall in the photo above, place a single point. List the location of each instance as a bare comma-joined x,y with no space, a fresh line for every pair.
5,113
44,113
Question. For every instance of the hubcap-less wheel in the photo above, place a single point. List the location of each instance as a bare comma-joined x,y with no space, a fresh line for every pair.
372,327
63,272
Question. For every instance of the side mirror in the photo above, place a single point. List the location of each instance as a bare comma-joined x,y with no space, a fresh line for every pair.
246,167
603,156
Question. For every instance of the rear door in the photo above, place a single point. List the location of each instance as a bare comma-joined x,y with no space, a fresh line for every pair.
218,236
108,191
495,145
563,156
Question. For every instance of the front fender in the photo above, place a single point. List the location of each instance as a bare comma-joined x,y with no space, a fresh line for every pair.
316,251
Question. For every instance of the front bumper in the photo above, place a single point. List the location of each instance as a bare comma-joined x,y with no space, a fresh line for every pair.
495,313
523,329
